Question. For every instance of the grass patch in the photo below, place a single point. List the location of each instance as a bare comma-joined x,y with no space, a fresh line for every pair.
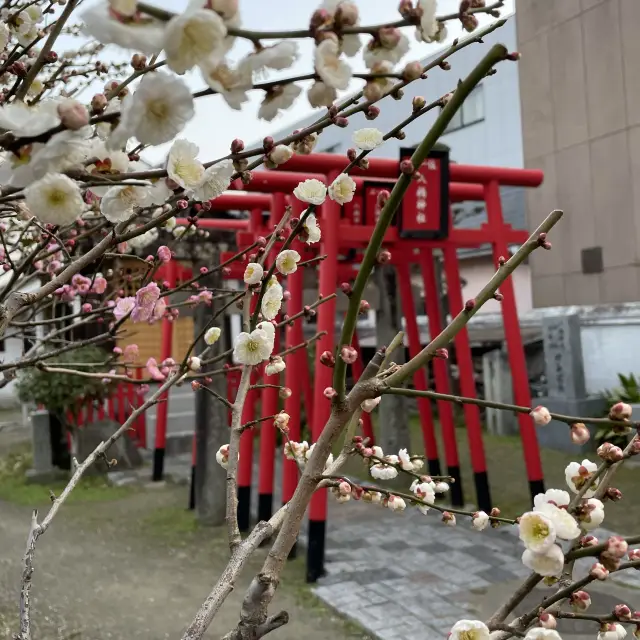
172,524
15,488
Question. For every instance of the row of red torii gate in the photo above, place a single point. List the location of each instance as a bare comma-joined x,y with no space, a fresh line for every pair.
421,226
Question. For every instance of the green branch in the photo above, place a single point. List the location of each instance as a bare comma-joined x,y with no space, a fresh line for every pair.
496,54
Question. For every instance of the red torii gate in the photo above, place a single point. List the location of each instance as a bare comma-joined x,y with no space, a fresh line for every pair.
344,229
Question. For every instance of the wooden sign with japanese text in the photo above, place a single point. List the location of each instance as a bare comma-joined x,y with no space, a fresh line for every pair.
424,212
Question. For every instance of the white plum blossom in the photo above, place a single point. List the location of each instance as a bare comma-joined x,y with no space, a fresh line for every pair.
232,84
279,56
469,630
312,191
441,487
222,456
287,261
55,199
277,365
593,516
23,120
143,240
145,36
374,53
563,522
277,98
253,273
537,531
119,202
550,563
540,633
333,72
271,302
576,474
193,37
269,330
405,460
252,348
367,139
383,472
280,154
429,27
296,451
212,335
158,111
215,181
558,497
312,229
320,94
541,415
194,363
63,151
342,189
182,166
612,631
396,503
480,521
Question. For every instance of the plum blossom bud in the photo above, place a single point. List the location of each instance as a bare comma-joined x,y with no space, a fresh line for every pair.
547,621
449,519
194,363
372,91
469,22
384,257
501,261
372,112
622,612
389,37
617,547
541,415
370,404
99,103
138,61
222,456
383,197
634,555
579,433
268,143
196,385
348,354
442,353
396,503
610,452
418,103
441,487
588,541
344,488
613,494
580,600
280,154
364,307
330,392
281,421
285,393
620,411
86,307
479,520
346,288
73,114
347,14
406,167
469,305
164,254
237,146
498,296
598,571
327,359
412,71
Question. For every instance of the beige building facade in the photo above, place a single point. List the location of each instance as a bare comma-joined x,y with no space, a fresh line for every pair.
580,107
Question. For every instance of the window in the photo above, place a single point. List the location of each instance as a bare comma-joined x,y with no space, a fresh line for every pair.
472,110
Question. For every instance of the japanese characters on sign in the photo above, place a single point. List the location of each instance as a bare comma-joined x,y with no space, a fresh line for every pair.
424,210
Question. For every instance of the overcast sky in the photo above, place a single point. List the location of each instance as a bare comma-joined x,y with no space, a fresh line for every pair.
216,125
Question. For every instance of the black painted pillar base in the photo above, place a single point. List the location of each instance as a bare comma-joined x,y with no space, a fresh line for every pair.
483,493
434,467
192,489
244,508
455,488
535,487
158,465
315,550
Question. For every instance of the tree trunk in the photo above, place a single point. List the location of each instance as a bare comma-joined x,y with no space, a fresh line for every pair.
393,415
212,424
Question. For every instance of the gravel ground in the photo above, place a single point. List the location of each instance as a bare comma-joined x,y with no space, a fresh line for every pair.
136,567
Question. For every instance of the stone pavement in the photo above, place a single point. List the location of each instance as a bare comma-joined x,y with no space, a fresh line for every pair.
406,576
